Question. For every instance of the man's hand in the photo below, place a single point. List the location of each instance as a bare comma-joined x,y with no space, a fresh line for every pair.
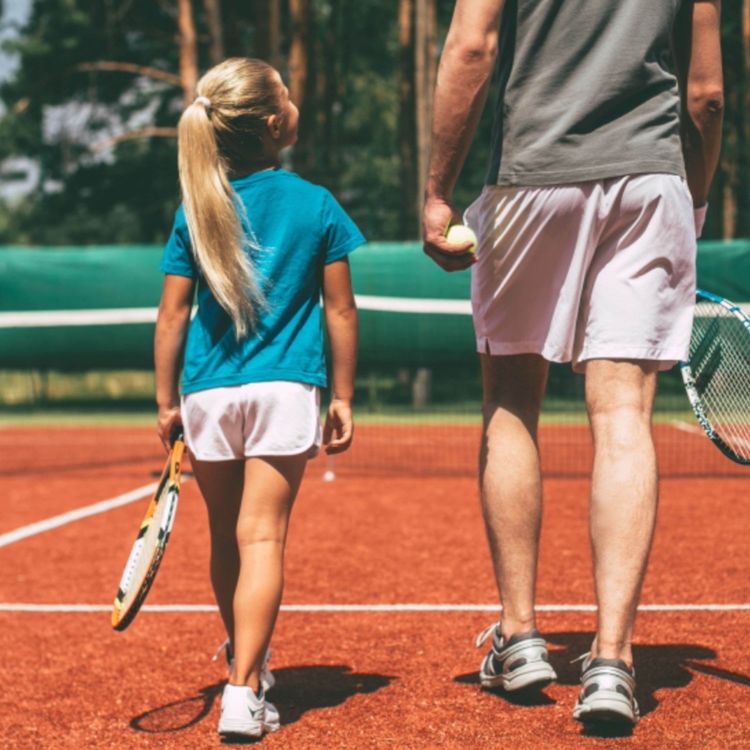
437,216
339,426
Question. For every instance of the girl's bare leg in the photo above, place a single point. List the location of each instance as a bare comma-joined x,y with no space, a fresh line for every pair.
270,486
221,483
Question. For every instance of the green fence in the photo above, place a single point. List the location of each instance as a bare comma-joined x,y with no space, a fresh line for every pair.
75,309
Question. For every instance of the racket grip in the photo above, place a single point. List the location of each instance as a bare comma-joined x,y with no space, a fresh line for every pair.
175,434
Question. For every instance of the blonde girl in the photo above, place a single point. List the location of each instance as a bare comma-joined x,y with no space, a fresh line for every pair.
255,247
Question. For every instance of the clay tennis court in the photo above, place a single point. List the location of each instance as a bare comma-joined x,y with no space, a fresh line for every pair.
388,583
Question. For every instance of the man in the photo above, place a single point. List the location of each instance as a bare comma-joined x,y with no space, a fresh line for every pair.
595,193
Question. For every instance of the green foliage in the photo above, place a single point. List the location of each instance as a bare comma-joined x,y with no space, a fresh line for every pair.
58,115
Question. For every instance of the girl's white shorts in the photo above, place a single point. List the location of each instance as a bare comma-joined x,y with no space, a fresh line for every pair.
594,270
277,418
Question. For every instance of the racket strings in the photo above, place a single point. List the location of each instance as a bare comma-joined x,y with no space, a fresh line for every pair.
720,364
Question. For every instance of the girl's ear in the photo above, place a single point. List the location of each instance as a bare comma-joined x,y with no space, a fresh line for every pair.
273,123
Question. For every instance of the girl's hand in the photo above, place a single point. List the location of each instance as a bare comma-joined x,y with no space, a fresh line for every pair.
339,426
170,419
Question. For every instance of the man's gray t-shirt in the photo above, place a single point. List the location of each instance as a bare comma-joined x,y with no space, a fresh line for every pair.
587,92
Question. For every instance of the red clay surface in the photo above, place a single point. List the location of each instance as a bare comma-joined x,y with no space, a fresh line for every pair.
350,680
434,449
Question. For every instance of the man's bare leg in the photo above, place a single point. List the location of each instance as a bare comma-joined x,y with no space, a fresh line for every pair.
619,398
510,480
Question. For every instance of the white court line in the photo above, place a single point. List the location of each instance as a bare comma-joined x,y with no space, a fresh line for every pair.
367,608
695,430
687,427
75,515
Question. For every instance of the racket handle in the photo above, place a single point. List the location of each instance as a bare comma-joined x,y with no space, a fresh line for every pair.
175,434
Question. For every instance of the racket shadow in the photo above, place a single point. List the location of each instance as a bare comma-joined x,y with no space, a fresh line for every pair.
178,715
297,691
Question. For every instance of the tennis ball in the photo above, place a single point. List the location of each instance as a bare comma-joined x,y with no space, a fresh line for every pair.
329,476
460,234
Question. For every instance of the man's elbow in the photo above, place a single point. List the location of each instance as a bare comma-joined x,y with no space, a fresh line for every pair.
472,51
705,102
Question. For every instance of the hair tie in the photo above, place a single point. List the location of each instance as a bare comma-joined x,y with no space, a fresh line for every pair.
204,100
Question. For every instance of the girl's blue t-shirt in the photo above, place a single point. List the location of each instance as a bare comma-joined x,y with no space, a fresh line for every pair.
299,228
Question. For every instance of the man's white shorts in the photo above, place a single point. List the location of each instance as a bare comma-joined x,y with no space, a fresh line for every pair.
277,418
594,270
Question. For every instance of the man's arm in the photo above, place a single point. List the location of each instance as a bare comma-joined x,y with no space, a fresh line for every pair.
697,46
462,83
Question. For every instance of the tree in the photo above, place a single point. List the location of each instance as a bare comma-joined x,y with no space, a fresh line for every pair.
425,50
268,32
213,21
100,86
407,125
188,51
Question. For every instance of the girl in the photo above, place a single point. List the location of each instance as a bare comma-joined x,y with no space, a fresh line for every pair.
260,245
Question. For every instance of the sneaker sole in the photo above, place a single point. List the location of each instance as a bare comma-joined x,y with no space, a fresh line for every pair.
606,709
241,730
532,676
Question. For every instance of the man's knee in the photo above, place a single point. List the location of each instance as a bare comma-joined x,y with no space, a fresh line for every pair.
513,388
620,388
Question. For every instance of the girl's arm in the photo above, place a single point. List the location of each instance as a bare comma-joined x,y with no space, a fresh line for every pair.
341,323
169,343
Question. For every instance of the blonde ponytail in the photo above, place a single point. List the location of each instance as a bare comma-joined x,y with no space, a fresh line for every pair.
219,132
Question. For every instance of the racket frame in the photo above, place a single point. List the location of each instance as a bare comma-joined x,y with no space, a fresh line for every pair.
691,389
168,491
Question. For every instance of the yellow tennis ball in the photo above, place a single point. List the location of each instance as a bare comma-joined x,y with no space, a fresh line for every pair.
460,234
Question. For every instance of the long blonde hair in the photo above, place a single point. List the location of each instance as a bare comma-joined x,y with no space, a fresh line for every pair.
221,133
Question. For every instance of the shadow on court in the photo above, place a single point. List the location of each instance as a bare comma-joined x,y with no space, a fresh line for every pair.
659,667
297,691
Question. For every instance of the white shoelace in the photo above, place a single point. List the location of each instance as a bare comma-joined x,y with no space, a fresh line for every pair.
486,633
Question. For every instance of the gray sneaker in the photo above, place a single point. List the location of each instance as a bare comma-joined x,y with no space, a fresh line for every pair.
607,692
521,662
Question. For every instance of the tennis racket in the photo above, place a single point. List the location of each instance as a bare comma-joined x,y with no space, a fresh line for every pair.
153,535
717,374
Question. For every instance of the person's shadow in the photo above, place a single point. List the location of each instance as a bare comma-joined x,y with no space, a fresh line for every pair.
668,666
297,690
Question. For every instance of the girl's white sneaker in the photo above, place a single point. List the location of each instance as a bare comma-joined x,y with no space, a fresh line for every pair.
245,713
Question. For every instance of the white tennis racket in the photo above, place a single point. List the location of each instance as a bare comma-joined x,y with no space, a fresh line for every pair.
717,374
150,543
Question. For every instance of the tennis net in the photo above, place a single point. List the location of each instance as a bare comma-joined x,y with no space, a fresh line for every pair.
425,419
418,405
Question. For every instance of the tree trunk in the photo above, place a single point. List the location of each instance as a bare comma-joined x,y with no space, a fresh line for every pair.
301,83
268,32
188,50
408,218
331,89
299,11
425,75
213,18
